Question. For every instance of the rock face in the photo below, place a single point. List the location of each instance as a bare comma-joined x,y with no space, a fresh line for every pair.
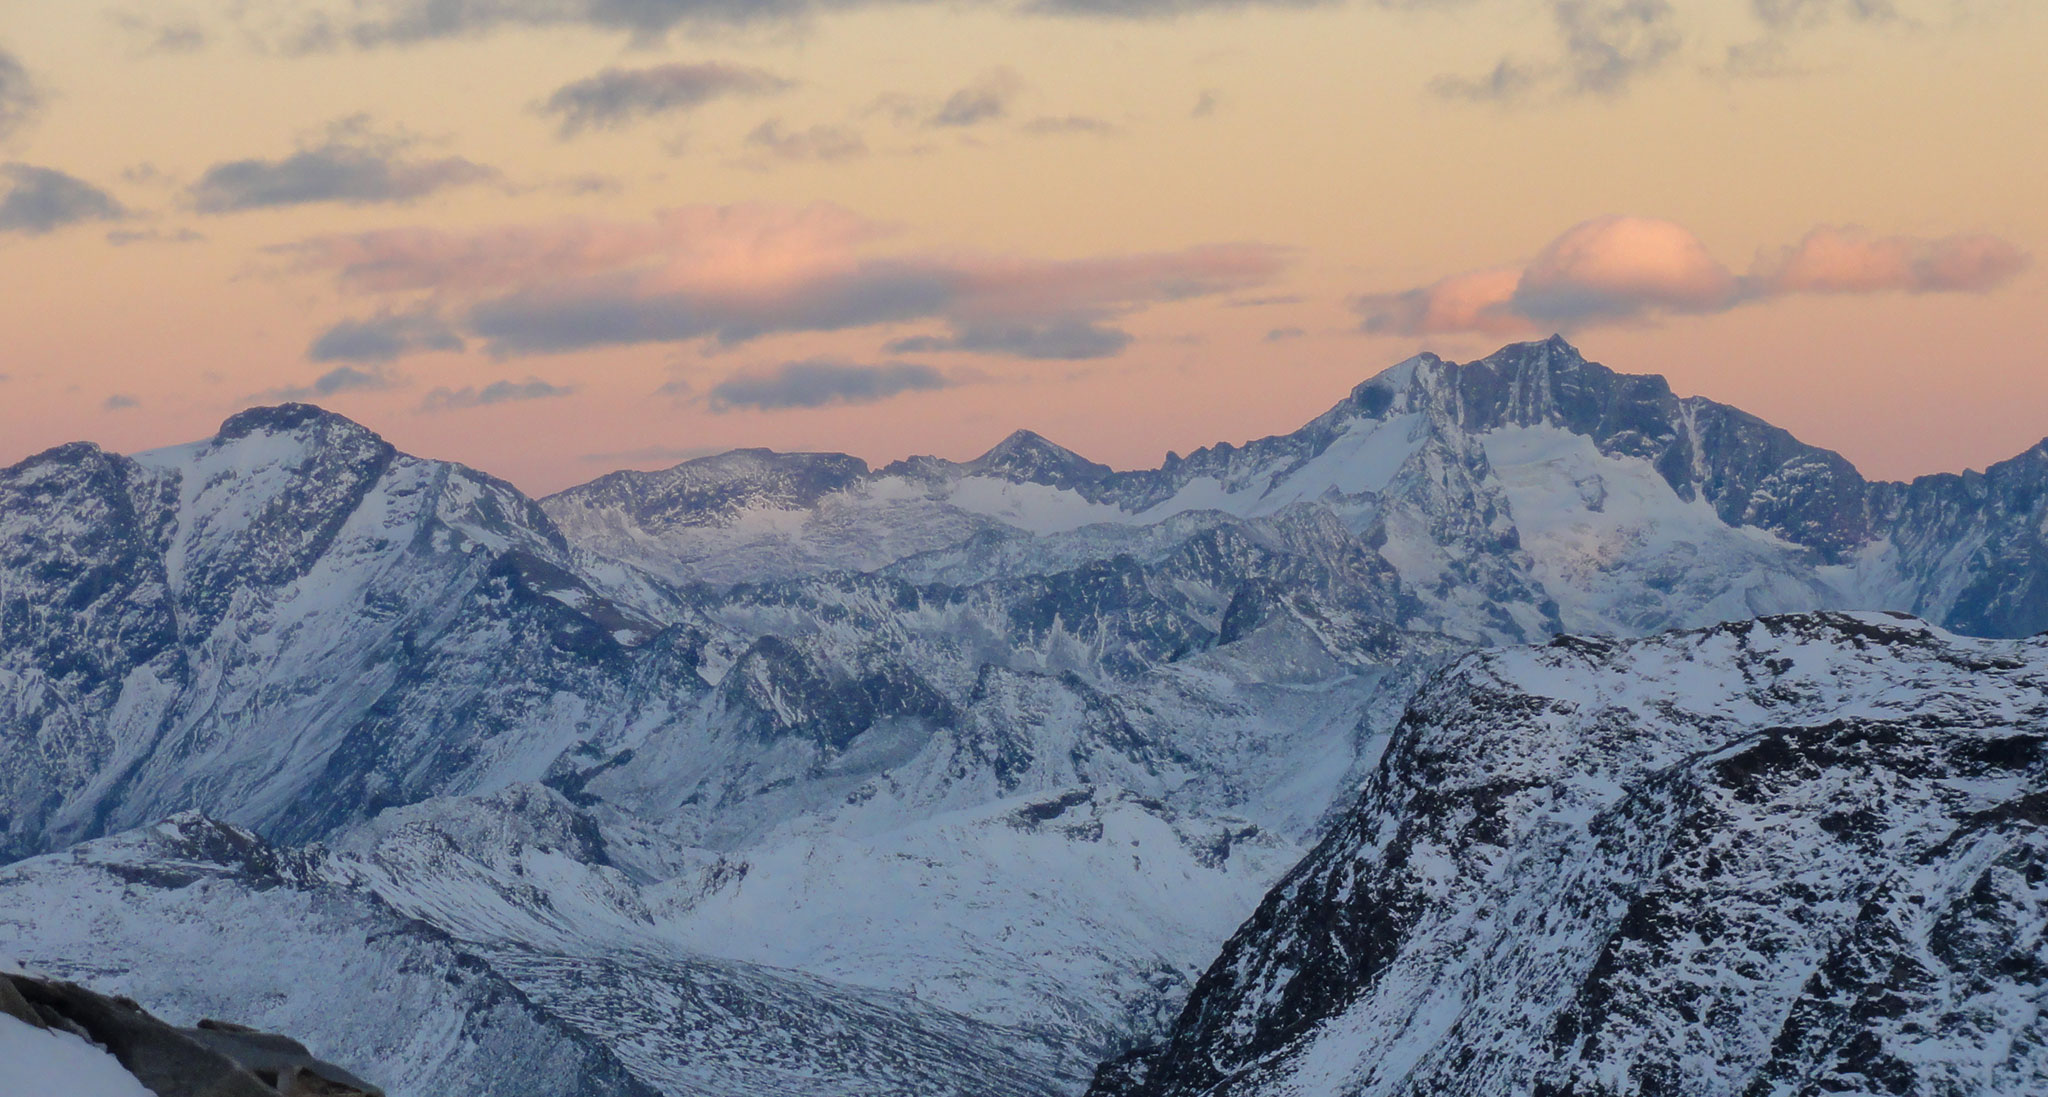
408,621
214,1059
1797,855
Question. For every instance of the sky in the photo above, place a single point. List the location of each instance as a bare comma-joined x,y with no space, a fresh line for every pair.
550,238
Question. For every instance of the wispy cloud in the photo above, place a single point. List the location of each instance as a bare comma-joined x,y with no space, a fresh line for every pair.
1608,43
987,99
815,383
351,165
384,337
1803,14
1265,301
373,23
122,238
616,97
497,392
620,312
1508,80
1476,301
397,22
120,401
1614,270
161,35
19,97
1592,47
1603,47
1850,260
43,200
337,381
736,273
703,246
1068,338
1166,9
824,141
1051,125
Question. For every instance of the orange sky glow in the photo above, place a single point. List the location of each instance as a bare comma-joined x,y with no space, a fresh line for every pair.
549,238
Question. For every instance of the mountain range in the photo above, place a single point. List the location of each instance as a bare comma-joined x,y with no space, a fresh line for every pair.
783,773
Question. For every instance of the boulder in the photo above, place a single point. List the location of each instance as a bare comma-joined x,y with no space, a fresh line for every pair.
215,1059
12,1004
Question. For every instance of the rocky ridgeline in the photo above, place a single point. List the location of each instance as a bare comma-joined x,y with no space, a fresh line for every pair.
1792,856
212,1059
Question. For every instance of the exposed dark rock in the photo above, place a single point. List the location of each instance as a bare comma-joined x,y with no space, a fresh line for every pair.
213,1060
14,1005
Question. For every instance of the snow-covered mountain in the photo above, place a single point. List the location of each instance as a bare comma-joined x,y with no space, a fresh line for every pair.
1519,495
1794,855
296,629
290,606
882,743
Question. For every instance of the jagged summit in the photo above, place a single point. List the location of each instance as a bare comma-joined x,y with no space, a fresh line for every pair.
714,489
69,453
1521,384
287,418
1029,457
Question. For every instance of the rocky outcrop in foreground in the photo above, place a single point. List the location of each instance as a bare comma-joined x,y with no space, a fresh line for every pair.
215,1059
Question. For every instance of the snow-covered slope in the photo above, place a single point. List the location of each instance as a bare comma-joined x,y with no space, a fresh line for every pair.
196,918
42,1061
1071,915
1795,855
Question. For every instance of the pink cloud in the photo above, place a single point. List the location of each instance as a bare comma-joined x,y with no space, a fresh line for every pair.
1615,268
1477,301
747,244
1012,285
734,273
1625,269
1850,260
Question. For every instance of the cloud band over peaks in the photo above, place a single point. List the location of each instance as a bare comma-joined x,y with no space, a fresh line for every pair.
731,274
1617,270
815,383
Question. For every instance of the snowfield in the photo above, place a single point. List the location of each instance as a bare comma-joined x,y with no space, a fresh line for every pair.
43,1063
